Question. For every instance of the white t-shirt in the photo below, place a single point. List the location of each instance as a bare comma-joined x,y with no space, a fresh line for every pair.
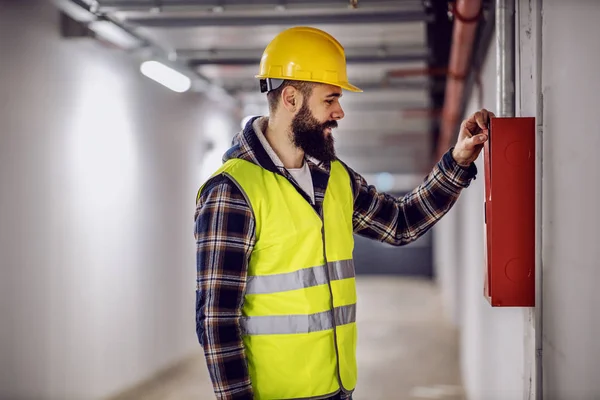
304,179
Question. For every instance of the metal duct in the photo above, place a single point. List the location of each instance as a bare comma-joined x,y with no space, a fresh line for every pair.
505,57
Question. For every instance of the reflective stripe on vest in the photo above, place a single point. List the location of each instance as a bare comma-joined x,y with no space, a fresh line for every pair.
291,324
300,279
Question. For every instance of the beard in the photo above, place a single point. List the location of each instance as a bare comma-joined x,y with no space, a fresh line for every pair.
308,134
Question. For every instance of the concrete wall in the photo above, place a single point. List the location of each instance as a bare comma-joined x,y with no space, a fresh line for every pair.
556,82
571,188
446,263
491,339
98,168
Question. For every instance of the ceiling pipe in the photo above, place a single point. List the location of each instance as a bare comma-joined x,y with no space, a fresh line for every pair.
410,72
274,18
426,112
467,14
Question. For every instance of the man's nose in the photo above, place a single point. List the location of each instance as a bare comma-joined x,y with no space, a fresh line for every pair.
338,113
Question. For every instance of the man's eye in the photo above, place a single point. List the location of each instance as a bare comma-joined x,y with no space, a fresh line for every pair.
329,101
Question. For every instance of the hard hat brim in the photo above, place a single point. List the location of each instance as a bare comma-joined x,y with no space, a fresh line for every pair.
344,85
351,88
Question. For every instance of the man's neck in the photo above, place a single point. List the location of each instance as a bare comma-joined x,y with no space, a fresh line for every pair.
279,137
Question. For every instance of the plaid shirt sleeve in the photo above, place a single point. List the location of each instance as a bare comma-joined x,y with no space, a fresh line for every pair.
399,221
224,232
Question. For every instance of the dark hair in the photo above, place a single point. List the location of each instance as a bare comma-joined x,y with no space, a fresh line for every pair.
274,96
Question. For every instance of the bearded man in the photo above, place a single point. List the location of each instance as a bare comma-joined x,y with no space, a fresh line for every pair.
276,297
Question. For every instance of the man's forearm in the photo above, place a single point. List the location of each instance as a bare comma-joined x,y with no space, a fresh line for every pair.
399,221
225,357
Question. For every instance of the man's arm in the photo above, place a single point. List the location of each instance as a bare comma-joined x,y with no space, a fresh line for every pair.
224,234
399,221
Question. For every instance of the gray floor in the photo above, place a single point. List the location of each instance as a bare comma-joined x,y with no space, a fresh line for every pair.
406,351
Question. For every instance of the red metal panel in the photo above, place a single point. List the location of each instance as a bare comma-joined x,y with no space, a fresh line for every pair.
509,167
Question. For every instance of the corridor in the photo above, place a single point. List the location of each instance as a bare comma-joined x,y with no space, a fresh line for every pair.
114,113
406,351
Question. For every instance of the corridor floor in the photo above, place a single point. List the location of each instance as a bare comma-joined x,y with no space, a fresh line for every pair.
406,351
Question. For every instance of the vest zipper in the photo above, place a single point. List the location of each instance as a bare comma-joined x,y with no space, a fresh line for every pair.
332,308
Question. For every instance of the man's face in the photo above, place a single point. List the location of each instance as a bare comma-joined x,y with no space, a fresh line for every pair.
312,125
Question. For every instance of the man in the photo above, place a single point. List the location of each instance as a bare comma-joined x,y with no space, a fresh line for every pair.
276,299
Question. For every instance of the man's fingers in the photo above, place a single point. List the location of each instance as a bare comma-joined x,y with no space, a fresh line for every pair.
476,140
477,123
488,117
470,125
481,120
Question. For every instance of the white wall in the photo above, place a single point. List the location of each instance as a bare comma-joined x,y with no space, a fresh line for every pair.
447,266
491,341
99,169
571,189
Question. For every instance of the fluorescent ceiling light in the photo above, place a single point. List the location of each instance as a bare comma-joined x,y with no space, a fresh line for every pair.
114,34
166,76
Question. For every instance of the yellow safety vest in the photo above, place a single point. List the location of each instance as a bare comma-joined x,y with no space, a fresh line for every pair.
299,313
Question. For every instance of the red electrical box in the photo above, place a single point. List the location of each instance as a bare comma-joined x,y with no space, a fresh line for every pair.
509,164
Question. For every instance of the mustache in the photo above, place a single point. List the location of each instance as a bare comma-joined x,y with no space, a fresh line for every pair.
330,124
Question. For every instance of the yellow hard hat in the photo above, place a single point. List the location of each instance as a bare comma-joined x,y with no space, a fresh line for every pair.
304,54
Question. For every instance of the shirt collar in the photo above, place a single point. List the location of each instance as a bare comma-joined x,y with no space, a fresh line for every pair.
259,126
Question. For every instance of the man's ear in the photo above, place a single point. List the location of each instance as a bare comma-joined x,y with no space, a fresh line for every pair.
291,99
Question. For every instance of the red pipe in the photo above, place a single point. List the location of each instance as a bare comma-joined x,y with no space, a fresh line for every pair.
466,13
422,113
403,73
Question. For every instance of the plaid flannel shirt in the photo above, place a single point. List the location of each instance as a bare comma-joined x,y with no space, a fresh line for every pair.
225,237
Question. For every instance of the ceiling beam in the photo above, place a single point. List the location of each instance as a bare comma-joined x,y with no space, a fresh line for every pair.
381,50
126,5
284,19
357,59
